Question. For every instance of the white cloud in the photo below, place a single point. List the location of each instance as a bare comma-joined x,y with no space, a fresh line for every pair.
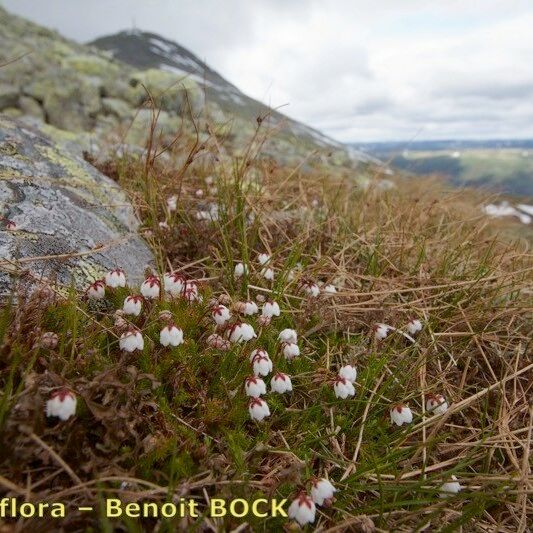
358,69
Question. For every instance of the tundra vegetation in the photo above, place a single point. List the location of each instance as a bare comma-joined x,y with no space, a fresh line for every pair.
399,316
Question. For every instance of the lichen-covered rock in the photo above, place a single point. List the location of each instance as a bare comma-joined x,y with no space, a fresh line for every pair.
62,205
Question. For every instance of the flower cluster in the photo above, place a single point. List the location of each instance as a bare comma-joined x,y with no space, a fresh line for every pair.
230,328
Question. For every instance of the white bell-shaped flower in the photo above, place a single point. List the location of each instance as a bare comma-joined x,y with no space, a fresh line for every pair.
96,290
258,351
262,365
270,309
240,270
254,386
322,491
450,488
263,259
131,340
401,414
436,404
247,308
241,332
281,383
220,314
381,331
115,278
329,289
288,335
311,288
290,350
151,287
348,372
302,509
172,203
258,409
343,388
171,335
174,283
62,404
268,273
414,326
132,305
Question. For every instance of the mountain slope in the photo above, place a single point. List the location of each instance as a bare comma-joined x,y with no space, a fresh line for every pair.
146,50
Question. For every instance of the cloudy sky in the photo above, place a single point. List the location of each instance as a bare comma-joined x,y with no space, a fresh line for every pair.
359,70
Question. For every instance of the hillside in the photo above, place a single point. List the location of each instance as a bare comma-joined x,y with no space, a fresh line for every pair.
82,89
201,317
145,50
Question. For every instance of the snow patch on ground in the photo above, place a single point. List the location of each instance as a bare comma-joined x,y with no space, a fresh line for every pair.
523,212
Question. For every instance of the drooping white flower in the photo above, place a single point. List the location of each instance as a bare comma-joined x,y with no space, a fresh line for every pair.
62,404
131,340
190,292
268,273
302,509
172,203
163,225
436,404
241,332
258,409
290,350
310,288
348,372
115,278
401,414
329,289
381,331
174,283
254,386
199,193
220,314
281,383
171,335
262,365
343,388
96,290
246,308
270,308
263,259
216,341
240,270
414,326
450,488
322,491
288,335
151,287
132,305
258,351
209,180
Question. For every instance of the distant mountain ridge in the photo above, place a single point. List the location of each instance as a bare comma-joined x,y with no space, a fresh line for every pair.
145,50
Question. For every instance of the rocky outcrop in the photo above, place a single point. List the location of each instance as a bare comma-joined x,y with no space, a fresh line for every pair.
61,205
81,89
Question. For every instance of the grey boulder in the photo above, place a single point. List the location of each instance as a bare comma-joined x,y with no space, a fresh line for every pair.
65,210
